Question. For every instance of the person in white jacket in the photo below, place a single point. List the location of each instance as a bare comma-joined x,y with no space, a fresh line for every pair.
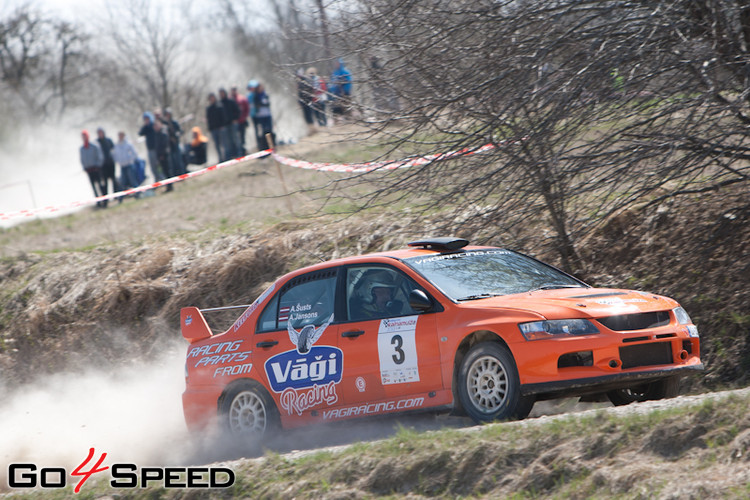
125,155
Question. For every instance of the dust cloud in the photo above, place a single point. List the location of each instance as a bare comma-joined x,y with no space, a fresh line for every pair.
133,414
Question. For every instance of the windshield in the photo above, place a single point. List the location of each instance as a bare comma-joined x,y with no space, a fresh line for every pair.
478,274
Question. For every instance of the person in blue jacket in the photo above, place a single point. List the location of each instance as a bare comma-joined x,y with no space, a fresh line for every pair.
341,89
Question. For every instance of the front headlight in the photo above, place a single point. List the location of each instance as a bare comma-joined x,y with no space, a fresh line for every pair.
684,319
537,330
682,316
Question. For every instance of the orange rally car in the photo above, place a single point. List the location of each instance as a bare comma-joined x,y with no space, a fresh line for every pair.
481,330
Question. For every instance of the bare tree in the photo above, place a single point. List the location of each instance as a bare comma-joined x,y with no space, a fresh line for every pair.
148,48
43,62
593,106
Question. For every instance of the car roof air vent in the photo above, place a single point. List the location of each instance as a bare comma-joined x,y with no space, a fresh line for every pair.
441,244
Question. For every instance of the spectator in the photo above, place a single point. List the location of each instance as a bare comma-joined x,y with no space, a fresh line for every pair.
91,160
341,90
161,140
251,85
197,148
319,96
232,115
263,117
108,165
305,94
174,132
216,121
147,131
244,106
125,155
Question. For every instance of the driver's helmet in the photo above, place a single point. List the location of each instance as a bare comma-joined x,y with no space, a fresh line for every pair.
380,284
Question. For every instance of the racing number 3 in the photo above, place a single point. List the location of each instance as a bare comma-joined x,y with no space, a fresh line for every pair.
400,355
397,350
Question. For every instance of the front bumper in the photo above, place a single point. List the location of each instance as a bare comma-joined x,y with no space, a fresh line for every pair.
604,383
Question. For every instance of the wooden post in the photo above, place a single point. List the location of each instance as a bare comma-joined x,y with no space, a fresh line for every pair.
272,146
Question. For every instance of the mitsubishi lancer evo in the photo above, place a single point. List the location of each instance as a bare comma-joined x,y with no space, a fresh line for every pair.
440,325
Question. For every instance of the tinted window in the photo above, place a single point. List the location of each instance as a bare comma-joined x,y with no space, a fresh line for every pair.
482,273
306,300
377,292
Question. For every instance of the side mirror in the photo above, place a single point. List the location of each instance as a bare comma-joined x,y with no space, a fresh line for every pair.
419,301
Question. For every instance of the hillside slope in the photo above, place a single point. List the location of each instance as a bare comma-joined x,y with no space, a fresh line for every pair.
103,289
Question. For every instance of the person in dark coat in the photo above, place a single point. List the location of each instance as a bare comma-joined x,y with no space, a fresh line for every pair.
162,149
216,120
147,131
108,165
174,131
232,114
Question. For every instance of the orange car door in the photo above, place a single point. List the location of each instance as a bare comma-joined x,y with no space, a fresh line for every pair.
390,349
295,345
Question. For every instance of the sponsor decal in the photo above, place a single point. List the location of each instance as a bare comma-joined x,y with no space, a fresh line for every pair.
188,320
360,383
228,371
295,401
250,310
373,408
122,475
397,350
463,255
222,359
305,338
217,348
321,365
307,376
616,301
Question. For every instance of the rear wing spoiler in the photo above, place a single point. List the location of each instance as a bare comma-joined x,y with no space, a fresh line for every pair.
193,324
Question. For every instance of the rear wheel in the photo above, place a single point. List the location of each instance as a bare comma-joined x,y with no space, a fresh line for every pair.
488,385
248,413
660,389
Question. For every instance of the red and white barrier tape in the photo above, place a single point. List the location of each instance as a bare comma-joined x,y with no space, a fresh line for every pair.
385,165
140,189
291,162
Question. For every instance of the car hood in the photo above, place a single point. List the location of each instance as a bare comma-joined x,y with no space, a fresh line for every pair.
579,302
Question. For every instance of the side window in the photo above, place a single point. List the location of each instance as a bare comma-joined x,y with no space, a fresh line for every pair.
306,300
377,292
267,321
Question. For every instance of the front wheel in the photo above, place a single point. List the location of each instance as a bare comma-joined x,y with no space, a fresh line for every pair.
488,385
661,389
248,413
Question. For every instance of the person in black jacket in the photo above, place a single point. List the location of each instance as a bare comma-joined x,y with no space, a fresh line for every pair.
108,166
232,114
162,150
147,131
216,120
174,131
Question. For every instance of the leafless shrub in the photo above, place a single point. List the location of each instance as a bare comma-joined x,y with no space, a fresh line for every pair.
606,105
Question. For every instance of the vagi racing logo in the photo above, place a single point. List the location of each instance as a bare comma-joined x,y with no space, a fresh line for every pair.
306,376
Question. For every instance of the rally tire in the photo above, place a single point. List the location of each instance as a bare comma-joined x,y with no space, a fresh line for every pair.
661,389
488,385
248,414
